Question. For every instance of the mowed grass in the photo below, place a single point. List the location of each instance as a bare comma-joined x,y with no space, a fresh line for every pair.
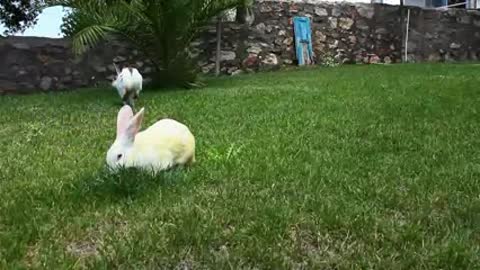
357,167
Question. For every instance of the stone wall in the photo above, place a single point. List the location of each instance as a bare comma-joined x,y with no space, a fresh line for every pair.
32,64
348,33
452,35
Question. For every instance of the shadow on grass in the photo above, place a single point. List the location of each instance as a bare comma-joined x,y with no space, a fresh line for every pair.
128,184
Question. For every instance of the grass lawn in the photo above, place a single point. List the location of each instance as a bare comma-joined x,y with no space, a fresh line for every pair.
357,167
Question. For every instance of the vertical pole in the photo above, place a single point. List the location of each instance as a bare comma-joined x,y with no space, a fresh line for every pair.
406,35
219,45
402,23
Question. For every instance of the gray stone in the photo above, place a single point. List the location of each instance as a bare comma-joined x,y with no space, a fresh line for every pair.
358,59
411,58
319,48
111,68
321,12
100,69
269,28
374,59
147,80
196,43
287,61
231,70
412,46
333,22
265,8
282,33
448,58
255,49
212,30
366,12
336,12
21,46
454,45
147,70
434,57
261,28
270,59
345,23
227,56
320,36
352,39
288,41
362,25
476,23
68,79
279,41
429,36
381,30
464,19
68,70
119,59
237,72
387,60
333,45
194,53
473,56
46,83
208,68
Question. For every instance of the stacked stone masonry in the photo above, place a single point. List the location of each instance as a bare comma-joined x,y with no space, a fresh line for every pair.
348,33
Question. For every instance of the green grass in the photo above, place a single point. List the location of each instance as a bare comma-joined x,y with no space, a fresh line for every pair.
357,167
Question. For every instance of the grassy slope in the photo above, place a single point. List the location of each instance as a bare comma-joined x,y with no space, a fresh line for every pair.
354,167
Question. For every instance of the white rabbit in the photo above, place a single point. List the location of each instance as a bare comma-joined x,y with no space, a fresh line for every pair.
165,144
129,83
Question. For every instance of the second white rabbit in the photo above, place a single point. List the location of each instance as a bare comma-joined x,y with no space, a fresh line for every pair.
129,84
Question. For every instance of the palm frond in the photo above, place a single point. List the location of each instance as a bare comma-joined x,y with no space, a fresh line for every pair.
161,29
89,37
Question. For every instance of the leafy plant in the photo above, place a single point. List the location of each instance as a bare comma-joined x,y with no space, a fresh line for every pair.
161,29
17,15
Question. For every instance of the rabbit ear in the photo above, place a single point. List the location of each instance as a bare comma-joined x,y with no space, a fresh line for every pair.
134,125
116,69
123,119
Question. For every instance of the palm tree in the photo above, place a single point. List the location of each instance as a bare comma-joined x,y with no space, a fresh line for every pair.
161,29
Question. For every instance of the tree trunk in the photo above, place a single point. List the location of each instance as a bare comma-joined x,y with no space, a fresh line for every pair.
241,14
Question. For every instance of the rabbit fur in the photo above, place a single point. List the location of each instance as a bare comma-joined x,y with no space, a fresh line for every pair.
164,144
129,84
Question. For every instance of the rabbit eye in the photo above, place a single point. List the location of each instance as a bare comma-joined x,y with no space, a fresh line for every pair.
119,156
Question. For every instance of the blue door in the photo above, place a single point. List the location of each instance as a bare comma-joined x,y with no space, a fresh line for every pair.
303,40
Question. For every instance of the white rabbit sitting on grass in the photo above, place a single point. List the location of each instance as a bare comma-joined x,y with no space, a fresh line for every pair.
161,146
129,84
